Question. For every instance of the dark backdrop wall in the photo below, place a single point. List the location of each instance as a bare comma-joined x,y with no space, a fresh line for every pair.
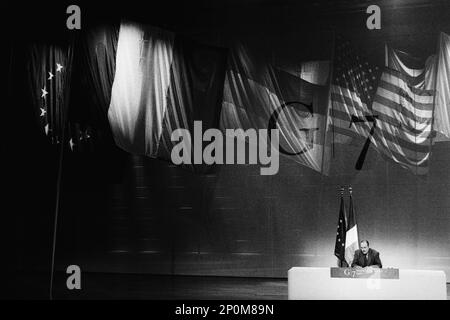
162,219
145,215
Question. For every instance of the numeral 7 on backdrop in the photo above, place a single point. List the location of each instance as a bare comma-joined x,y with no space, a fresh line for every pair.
362,156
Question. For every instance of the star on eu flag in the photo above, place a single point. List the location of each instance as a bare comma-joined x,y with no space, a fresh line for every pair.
44,93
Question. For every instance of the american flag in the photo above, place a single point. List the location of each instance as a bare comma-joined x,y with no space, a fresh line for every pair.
388,110
405,116
353,88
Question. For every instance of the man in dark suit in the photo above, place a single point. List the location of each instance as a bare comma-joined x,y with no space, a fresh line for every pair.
366,257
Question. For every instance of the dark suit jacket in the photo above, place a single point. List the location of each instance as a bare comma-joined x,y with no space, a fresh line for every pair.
373,258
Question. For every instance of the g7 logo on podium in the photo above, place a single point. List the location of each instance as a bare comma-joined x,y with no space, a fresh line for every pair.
308,132
350,272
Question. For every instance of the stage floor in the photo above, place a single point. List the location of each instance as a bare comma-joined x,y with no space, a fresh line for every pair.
152,287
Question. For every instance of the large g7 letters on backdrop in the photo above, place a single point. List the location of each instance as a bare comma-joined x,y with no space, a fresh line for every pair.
273,124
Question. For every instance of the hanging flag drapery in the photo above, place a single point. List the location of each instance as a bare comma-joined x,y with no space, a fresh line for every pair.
420,76
404,126
139,91
92,79
162,83
390,112
352,91
351,235
257,93
442,100
49,79
434,74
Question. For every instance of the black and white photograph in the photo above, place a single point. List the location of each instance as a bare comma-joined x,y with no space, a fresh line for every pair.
226,155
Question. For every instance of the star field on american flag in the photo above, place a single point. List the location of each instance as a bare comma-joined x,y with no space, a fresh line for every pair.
354,72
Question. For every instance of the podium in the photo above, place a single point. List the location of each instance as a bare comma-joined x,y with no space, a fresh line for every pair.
376,284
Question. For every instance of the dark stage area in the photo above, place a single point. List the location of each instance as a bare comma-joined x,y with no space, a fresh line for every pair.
105,286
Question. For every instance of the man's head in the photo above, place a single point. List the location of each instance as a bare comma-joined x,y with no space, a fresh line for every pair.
364,245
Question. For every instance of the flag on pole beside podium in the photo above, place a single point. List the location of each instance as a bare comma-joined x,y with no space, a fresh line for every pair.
351,236
339,248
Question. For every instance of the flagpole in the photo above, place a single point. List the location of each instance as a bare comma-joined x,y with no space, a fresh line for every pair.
58,181
55,225
341,193
386,56
350,191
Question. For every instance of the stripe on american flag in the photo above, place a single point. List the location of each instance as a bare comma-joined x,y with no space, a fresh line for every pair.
408,140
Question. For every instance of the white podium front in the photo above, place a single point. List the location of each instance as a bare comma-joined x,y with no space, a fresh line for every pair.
318,284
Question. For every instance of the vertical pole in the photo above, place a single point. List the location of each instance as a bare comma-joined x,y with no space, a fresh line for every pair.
61,155
386,56
341,189
55,226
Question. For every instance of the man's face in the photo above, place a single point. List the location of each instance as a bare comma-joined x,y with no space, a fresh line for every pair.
364,247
